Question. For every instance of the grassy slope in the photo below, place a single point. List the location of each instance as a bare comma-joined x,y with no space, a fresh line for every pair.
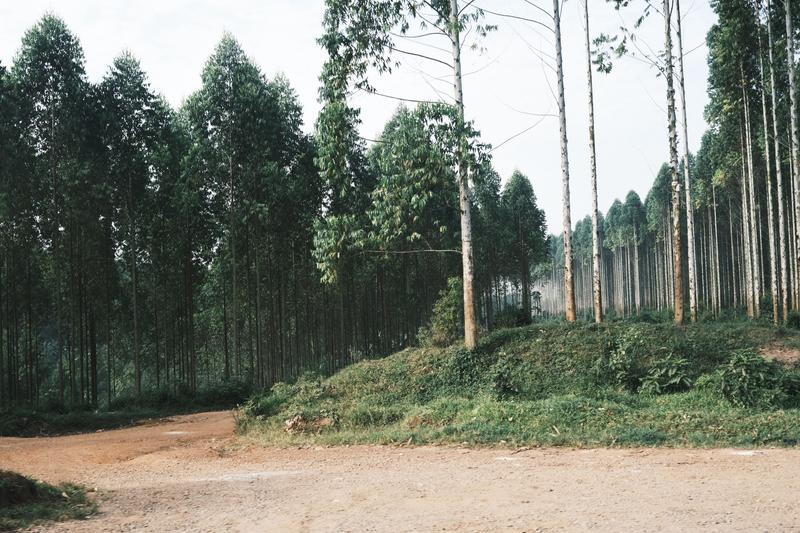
548,384
25,502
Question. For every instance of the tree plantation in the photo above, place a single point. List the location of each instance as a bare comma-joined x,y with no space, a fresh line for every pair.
147,249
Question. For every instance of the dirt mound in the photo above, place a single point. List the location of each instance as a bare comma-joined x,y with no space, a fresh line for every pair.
16,489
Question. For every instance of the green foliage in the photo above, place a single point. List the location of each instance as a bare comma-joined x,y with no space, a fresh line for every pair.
447,319
546,384
625,361
25,502
668,374
747,380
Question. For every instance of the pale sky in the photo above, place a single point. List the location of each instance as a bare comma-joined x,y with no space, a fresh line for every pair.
173,39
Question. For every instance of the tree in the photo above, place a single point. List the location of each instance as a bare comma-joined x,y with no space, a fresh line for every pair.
690,233
361,34
133,121
526,225
566,216
597,291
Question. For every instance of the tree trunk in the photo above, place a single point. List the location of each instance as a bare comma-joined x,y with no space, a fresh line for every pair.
690,235
569,284
470,324
677,260
794,126
778,179
773,274
596,285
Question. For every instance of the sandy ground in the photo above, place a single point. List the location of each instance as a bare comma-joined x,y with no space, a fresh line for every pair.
189,473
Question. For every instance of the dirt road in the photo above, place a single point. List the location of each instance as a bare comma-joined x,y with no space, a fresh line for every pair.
189,473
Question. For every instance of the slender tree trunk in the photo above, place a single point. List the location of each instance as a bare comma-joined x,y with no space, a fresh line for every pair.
470,324
690,235
746,236
778,178
677,260
566,220
137,363
234,276
754,211
596,285
794,126
773,273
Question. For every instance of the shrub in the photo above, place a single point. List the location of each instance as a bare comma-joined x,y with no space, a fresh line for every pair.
446,321
747,380
669,374
626,358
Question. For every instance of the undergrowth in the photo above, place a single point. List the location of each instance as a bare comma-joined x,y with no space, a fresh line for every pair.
25,502
57,419
621,383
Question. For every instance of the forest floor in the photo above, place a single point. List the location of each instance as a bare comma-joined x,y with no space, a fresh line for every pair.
190,473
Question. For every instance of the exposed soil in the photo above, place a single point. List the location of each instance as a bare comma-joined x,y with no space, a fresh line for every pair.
783,354
188,473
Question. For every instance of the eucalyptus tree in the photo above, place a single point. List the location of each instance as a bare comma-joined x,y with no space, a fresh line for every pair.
133,120
687,186
230,117
597,291
794,127
677,258
782,239
526,224
566,212
49,77
359,35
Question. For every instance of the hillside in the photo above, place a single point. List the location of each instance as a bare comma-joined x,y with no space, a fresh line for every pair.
620,384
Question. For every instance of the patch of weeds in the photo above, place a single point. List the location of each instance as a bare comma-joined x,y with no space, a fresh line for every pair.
25,502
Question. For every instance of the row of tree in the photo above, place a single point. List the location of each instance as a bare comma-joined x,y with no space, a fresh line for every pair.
731,239
143,247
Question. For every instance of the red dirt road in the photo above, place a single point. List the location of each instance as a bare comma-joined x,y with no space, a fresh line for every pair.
189,473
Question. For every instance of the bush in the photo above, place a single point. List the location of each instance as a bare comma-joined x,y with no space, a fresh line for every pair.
627,357
669,374
446,321
747,380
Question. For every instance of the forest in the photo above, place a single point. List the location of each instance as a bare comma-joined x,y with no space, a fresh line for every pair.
146,249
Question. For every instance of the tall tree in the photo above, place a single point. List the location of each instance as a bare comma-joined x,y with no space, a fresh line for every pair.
597,292
566,211
528,244
690,233
677,259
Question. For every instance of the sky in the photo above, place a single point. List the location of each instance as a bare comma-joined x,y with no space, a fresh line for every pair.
507,81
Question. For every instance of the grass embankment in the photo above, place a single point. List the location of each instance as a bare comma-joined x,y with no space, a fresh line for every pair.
620,384
123,411
25,502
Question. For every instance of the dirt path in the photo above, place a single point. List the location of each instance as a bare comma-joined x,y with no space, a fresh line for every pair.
188,473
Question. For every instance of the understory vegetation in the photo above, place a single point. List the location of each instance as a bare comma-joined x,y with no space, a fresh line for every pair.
123,411
620,383
25,502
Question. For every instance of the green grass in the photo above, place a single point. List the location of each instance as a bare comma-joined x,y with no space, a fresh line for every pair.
551,384
25,502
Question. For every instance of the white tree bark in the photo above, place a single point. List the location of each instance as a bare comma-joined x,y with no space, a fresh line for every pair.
677,260
596,285
566,218
779,179
470,323
794,126
690,235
